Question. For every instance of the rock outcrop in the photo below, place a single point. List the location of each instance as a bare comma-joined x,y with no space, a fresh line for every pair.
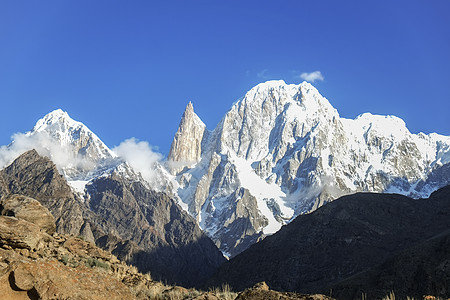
21,234
35,265
28,209
166,241
261,291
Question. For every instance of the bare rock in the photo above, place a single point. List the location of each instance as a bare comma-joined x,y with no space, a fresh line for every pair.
23,279
28,209
186,148
21,234
262,286
261,291
37,177
52,280
206,296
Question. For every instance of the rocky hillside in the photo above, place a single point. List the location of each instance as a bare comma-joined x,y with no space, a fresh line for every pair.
398,242
283,150
140,226
38,263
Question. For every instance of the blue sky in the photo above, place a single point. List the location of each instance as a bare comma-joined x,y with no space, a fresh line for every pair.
128,68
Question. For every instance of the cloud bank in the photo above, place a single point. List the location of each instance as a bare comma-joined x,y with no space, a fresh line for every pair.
141,157
313,76
45,145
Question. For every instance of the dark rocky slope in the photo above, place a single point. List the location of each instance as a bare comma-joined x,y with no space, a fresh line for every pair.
171,245
142,227
418,270
350,235
422,269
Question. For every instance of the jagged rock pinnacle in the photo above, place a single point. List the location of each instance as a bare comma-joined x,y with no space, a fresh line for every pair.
186,148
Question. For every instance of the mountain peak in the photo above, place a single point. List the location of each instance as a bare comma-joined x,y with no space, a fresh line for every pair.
71,144
189,115
186,147
58,116
189,107
270,84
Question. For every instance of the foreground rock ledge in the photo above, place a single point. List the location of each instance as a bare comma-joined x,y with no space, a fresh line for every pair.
261,291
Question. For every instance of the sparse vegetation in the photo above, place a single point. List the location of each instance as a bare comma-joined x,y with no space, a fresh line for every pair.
391,296
94,262
224,292
64,259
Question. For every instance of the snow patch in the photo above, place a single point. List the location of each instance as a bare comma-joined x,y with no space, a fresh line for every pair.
78,185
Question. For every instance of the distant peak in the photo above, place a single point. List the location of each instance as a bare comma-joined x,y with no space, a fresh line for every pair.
58,111
271,84
189,116
58,116
274,84
189,107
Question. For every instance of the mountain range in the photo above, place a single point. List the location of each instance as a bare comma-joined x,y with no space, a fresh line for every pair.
280,152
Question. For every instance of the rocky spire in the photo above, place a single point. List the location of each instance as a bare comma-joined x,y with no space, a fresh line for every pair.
186,148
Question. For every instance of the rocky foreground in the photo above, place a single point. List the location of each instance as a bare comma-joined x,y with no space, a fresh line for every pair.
38,263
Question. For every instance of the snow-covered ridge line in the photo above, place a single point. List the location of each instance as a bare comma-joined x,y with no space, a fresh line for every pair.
294,141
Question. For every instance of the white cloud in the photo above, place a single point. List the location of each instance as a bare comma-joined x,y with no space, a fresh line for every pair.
141,157
313,76
45,145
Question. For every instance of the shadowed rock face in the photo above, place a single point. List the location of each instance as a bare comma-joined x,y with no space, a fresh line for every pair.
171,245
412,272
37,177
345,237
140,226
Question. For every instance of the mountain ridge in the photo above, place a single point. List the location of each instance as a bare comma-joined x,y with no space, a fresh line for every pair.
287,150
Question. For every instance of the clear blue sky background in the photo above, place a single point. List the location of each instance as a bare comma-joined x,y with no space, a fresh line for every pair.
128,68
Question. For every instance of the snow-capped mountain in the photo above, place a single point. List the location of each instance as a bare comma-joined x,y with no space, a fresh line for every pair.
80,155
84,155
283,150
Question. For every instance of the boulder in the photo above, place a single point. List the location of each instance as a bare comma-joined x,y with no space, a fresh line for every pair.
18,233
52,280
261,291
28,209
